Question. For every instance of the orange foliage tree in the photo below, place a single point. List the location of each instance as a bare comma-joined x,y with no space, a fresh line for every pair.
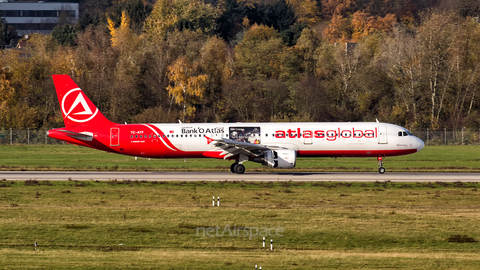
363,24
338,30
331,8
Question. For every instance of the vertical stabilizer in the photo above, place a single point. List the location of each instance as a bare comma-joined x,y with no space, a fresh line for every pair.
77,109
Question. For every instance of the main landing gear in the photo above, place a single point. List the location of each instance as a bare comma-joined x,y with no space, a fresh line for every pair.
380,165
237,168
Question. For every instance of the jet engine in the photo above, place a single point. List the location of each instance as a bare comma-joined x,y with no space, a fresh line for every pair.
282,159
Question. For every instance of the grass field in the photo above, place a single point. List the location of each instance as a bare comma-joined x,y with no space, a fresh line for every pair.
69,157
158,225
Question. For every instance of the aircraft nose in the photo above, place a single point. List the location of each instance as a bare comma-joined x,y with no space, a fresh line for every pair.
420,144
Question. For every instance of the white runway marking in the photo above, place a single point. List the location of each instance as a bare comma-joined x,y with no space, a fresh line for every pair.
222,176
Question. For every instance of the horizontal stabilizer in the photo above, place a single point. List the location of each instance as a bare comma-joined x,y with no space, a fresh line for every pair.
84,136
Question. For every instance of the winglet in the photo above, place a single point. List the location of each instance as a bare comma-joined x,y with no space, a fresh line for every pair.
76,107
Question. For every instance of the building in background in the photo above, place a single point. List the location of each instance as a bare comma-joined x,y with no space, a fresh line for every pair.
37,17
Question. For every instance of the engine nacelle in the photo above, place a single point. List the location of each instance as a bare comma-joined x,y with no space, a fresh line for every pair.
282,159
286,159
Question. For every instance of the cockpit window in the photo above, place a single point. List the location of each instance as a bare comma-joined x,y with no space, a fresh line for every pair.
404,133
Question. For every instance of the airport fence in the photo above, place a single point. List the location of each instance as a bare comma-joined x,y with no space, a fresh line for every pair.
26,136
430,137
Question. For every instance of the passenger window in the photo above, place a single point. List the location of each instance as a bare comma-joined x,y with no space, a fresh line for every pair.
131,136
136,136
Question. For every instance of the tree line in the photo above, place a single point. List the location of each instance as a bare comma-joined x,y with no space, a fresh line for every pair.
412,63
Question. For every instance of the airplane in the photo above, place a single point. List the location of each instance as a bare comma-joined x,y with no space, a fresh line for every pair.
274,145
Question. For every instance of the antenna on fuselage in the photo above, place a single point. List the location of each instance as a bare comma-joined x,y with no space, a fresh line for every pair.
377,120
180,121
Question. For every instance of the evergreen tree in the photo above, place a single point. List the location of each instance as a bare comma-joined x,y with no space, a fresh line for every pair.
85,20
64,34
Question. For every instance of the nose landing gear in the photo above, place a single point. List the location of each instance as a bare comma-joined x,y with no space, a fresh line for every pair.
381,170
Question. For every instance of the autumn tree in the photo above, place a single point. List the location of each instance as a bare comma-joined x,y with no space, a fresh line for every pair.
258,55
460,106
401,59
64,62
330,8
241,100
123,35
306,11
166,14
125,93
7,93
436,37
465,8
32,101
347,65
307,46
216,61
312,102
96,58
137,11
339,29
186,86
364,24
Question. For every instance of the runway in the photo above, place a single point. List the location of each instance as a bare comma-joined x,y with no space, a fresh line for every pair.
227,176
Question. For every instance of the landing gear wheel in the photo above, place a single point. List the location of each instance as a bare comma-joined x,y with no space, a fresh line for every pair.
232,167
239,168
381,170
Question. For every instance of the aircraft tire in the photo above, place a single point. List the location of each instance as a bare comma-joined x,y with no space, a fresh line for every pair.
381,170
232,167
239,168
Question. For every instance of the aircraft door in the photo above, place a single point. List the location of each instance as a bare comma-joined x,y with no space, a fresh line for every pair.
382,135
114,136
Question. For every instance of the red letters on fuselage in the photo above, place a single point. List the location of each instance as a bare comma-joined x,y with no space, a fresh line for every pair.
330,135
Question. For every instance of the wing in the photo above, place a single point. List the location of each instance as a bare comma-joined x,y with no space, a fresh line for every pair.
232,148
